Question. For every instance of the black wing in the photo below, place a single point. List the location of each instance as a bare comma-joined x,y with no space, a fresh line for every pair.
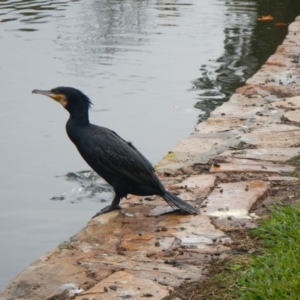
107,152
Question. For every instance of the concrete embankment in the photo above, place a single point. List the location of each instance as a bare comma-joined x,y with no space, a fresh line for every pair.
226,167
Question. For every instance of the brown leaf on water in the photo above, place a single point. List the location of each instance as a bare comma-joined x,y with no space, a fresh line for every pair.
281,24
265,18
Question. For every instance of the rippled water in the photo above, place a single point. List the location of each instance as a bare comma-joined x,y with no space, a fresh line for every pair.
147,66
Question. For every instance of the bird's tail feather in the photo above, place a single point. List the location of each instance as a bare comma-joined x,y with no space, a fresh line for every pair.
176,202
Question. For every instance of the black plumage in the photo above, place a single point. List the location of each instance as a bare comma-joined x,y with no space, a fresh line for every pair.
114,159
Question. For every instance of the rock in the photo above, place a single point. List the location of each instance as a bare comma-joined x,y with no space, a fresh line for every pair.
123,285
264,154
273,135
288,103
230,164
201,182
234,199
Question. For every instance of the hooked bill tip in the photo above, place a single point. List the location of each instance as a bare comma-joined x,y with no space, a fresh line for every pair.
41,92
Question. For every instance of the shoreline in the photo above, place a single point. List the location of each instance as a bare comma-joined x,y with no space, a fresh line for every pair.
226,166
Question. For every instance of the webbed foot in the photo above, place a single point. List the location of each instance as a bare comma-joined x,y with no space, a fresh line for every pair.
106,210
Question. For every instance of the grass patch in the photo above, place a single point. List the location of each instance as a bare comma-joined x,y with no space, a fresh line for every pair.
276,273
295,161
272,272
170,155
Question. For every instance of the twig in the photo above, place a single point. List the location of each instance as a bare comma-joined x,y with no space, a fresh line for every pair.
191,296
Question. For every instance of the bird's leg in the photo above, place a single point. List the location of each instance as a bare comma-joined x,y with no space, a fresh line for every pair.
114,205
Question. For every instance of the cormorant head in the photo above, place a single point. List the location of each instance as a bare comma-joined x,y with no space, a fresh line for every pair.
71,99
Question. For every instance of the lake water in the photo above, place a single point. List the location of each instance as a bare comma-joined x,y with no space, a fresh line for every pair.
146,65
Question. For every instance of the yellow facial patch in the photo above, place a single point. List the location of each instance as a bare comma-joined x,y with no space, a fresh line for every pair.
60,98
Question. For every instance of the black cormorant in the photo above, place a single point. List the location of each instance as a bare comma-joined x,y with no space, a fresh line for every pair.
115,160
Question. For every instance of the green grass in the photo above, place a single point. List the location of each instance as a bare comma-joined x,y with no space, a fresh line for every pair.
276,273
273,274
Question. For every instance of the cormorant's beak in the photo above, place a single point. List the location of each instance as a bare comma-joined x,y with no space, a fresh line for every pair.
57,97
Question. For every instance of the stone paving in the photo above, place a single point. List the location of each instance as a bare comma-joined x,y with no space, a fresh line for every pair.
142,252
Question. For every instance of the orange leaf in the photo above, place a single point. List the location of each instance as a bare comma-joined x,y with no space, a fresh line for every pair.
281,24
265,18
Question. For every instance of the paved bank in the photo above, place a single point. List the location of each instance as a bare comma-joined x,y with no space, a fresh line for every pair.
224,168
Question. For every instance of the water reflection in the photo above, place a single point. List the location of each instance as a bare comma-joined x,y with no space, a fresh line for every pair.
107,30
108,27
221,77
30,12
247,45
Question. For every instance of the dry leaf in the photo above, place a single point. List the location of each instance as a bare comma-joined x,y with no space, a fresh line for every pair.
265,18
281,24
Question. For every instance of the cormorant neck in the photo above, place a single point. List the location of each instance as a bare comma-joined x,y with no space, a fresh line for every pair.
80,117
